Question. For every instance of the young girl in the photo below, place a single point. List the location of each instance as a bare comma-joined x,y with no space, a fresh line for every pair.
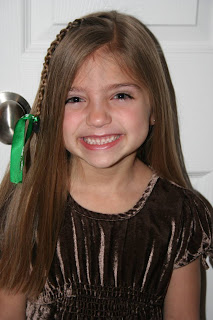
104,224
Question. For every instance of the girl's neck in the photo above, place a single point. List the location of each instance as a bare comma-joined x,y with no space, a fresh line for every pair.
123,184
118,177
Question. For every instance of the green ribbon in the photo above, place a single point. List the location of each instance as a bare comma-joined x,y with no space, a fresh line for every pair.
17,151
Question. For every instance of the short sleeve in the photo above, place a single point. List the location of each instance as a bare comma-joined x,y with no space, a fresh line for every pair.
195,234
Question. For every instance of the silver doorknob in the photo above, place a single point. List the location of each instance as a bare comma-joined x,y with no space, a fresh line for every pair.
12,108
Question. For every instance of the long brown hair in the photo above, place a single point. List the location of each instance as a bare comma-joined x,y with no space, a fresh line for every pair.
31,213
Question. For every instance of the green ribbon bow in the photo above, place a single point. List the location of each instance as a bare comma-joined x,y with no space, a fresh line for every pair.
17,151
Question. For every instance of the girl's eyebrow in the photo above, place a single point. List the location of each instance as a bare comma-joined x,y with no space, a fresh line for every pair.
109,87
118,85
76,89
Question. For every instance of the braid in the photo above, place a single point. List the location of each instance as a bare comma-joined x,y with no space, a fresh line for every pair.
47,58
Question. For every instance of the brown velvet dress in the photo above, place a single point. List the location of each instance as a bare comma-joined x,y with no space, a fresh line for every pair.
118,266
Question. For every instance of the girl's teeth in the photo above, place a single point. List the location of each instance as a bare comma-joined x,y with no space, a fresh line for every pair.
101,141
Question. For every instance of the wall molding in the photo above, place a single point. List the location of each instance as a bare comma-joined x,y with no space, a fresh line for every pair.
199,174
196,47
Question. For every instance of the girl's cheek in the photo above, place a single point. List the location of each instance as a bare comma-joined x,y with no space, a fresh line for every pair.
72,119
69,115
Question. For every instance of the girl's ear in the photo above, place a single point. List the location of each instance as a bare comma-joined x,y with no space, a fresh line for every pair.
152,120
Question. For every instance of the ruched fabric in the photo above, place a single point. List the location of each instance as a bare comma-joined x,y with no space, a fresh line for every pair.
118,266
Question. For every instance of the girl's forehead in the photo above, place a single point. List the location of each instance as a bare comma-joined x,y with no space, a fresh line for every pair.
103,63
99,58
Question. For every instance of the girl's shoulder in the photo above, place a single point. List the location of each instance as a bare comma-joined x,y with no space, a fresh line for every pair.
188,204
172,192
193,215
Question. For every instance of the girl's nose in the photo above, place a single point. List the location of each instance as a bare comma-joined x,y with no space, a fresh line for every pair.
98,116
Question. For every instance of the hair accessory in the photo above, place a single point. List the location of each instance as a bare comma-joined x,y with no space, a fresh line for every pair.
36,125
19,141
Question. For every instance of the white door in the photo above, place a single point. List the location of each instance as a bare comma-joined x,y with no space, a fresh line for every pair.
185,30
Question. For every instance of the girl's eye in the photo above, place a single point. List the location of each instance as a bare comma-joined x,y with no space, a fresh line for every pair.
122,96
73,100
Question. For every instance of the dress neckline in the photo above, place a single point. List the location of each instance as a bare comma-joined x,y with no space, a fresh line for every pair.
115,216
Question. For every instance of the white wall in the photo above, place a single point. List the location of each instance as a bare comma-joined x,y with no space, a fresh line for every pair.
185,30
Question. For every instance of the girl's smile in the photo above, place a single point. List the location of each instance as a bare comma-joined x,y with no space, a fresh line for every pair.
107,114
101,142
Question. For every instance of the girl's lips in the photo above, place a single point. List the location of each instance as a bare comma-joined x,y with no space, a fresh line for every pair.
100,142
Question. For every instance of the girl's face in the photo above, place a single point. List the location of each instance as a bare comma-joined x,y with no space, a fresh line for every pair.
107,114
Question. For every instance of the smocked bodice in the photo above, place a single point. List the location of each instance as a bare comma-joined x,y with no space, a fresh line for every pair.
118,266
